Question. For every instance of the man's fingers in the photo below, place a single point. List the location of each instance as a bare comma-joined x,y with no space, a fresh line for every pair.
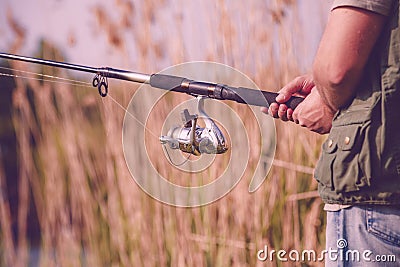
279,111
282,112
273,110
289,114
295,117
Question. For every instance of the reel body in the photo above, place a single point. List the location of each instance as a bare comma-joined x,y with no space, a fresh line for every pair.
193,139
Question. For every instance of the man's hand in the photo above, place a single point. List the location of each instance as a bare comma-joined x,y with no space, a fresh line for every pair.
312,113
300,86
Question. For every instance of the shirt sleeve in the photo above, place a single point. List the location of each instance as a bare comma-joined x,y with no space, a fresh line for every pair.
382,7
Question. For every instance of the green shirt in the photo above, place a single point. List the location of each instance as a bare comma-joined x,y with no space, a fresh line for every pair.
360,161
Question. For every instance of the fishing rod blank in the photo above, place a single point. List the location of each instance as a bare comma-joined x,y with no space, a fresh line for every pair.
99,81
167,82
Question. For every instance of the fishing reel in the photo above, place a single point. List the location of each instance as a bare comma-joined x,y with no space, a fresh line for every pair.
191,138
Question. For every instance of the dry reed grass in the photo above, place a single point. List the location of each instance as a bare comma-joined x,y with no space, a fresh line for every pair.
71,163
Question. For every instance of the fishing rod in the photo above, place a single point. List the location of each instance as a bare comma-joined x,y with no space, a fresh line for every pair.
189,138
166,82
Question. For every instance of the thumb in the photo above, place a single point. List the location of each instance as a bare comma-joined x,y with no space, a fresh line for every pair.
282,97
286,93
300,85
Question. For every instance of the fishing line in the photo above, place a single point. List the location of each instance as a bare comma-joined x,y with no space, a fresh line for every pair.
156,136
66,81
133,116
183,137
170,159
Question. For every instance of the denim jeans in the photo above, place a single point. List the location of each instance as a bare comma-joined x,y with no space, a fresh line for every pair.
363,236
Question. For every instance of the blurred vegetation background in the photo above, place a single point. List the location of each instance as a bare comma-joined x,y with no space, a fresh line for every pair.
67,197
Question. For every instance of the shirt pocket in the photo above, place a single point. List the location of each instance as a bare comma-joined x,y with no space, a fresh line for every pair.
344,164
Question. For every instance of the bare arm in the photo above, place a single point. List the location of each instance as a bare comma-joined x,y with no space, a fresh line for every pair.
343,52
346,44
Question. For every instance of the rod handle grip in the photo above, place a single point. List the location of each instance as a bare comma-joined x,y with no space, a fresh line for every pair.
219,91
256,97
292,102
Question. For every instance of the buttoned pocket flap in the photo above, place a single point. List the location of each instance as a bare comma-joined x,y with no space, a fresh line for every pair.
330,145
347,136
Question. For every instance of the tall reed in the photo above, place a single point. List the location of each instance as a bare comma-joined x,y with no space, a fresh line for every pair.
73,182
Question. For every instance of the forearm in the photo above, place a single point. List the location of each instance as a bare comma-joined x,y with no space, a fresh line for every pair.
336,90
346,44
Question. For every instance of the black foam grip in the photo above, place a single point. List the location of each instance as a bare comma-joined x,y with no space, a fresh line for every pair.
167,82
238,94
256,97
292,103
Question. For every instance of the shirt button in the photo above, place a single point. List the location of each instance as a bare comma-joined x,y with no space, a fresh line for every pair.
330,143
347,140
